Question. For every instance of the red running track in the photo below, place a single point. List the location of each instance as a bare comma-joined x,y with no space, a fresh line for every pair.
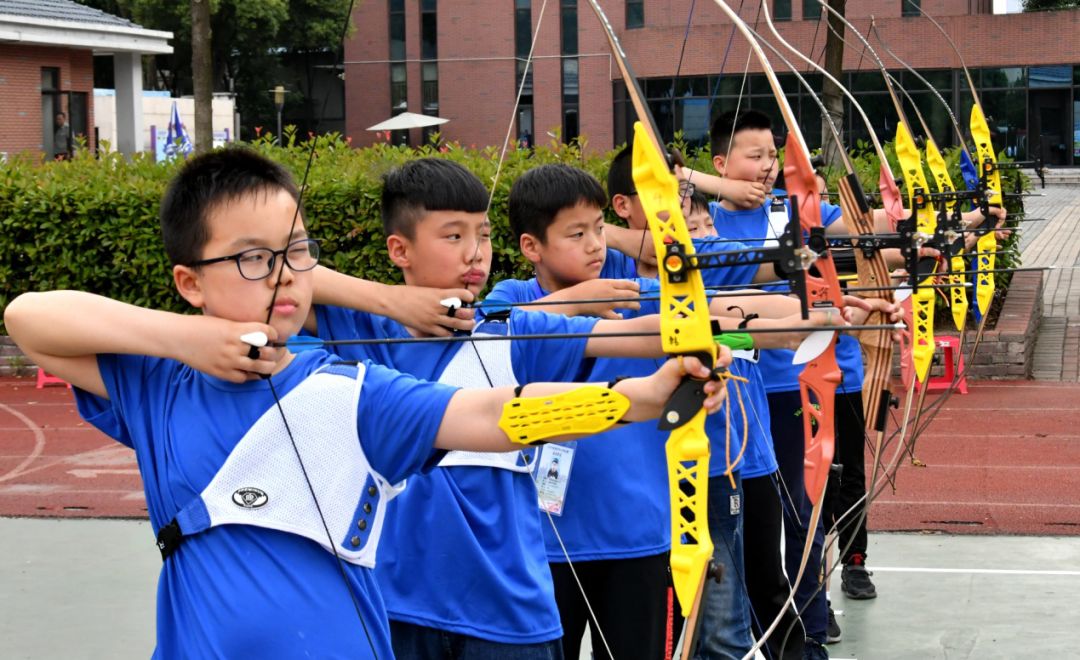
1003,459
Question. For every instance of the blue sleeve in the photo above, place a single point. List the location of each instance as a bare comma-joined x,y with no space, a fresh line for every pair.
733,275
647,287
129,380
398,420
830,213
549,360
618,266
340,323
509,291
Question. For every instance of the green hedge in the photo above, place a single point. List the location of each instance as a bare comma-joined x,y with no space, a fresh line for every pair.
91,223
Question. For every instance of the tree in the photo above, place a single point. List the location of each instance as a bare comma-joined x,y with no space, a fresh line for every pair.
202,69
832,96
1047,5
250,41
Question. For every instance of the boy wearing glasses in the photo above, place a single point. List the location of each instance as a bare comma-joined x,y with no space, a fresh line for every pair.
266,474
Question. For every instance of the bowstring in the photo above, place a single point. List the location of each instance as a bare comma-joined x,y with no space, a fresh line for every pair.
487,376
269,380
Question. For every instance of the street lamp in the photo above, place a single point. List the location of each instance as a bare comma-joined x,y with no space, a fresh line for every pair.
279,103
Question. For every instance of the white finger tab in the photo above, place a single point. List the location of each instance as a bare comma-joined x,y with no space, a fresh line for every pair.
451,303
257,339
813,346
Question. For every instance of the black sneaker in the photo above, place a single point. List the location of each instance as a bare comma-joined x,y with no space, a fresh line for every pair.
814,651
832,632
855,580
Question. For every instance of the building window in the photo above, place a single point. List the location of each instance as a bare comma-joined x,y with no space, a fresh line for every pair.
522,76
910,7
568,19
429,88
429,95
399,88
429,70
569,27
811,10
635,14
397,30
570,80
56,136
428,31
782,10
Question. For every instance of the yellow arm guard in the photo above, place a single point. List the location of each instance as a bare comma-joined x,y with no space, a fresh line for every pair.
582,411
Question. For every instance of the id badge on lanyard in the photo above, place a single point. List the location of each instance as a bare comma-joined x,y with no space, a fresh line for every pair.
553,476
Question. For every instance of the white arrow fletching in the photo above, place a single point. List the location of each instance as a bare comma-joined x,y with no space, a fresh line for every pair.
451,303
256,339
902,294
813,346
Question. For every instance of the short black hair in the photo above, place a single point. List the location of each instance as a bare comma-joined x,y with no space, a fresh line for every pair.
206,181
727,125
538,195
699,202
620,175
428,184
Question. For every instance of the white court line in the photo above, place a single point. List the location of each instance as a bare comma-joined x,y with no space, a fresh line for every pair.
981,571
1018,505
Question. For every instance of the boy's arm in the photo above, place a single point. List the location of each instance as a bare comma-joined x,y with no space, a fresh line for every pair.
471,420
64,331
634,243
623,291
415,307
746,194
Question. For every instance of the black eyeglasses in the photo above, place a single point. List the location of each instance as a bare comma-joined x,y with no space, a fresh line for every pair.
258,263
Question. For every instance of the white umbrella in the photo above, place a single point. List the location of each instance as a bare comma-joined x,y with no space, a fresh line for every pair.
407,120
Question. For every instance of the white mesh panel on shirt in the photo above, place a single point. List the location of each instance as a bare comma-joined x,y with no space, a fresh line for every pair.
471,367
321,413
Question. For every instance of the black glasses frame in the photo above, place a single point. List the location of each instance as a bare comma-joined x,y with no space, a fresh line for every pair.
313,250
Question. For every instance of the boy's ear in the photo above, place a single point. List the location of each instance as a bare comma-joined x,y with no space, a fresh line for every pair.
398,249
621,205
531,248
189,285
718,162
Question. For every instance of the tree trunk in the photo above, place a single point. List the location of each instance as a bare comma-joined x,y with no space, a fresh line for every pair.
202,73
833,98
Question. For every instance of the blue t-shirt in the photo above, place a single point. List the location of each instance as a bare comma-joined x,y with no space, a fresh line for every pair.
616,504
759,459
751,226
618,266
241,590
467,549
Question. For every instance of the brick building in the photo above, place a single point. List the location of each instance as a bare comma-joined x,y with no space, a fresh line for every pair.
462,60
46,68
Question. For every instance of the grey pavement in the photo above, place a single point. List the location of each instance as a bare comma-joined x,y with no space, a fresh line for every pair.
1055,241
86,589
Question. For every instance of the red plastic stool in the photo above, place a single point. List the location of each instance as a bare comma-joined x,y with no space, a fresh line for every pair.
44,379
952,360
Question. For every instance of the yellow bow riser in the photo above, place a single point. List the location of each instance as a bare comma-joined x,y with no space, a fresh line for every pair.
987,244
922,300
958,301
684,329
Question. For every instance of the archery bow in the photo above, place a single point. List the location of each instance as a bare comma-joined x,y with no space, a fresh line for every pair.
820,377
685,330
